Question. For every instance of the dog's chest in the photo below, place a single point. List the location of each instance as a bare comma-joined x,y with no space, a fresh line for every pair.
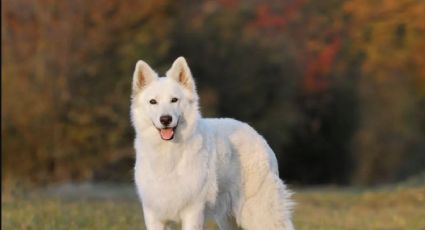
170,184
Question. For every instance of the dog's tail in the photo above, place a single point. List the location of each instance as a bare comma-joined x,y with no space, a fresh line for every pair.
262,201
269,208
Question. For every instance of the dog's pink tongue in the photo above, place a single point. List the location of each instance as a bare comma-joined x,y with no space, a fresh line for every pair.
167,133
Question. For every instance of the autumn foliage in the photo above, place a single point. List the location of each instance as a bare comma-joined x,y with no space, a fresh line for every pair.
337,87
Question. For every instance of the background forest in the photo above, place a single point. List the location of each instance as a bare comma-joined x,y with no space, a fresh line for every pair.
337,87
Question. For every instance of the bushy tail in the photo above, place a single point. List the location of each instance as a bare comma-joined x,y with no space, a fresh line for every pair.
269,208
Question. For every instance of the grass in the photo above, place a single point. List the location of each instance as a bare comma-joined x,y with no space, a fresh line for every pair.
116,207
402,208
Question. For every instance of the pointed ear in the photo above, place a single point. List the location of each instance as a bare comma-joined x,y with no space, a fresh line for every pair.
143,75
180,72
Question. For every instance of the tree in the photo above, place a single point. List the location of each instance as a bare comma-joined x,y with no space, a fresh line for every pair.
390,38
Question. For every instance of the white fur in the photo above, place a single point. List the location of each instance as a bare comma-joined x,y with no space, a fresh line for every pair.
212,167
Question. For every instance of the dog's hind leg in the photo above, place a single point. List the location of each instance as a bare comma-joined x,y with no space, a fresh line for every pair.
221,211
222,221
225,222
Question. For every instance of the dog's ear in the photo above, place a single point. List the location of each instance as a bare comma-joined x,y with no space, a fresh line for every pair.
180,72
143,75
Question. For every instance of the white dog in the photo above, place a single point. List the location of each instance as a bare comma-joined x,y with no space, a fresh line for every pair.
189,167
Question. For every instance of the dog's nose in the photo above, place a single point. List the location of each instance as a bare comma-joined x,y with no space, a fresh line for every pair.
165,119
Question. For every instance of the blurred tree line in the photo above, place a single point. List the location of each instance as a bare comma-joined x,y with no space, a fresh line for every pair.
336,87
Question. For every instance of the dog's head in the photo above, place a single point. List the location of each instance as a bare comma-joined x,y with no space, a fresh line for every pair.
164,104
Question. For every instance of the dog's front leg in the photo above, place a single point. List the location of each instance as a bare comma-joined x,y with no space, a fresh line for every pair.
193,218
151,221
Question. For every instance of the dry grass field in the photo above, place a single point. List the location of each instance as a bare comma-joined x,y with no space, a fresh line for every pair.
116,207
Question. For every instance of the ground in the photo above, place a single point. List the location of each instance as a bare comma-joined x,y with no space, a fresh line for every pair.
103,206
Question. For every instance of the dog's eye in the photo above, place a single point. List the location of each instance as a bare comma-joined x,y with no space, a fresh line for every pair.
152,102
173,100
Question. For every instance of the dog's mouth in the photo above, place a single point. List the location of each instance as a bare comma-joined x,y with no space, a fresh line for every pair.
167,133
